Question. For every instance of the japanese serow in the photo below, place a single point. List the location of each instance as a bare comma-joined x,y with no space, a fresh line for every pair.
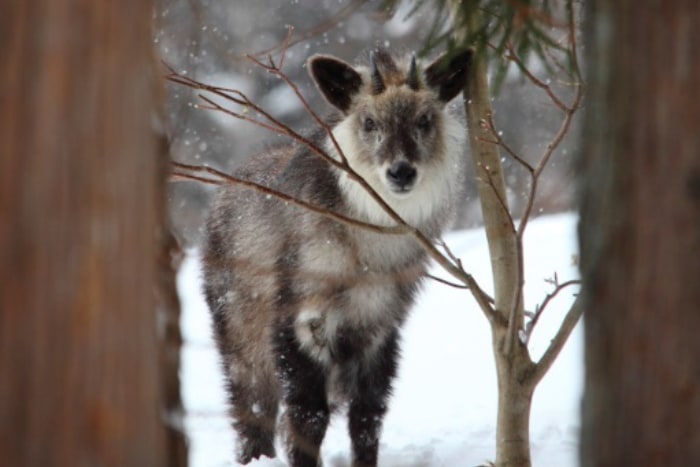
306,309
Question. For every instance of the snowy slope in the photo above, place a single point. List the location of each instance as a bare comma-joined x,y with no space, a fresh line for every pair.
443,409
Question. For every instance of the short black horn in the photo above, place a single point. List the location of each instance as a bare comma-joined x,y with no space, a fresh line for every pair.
377,82
413,81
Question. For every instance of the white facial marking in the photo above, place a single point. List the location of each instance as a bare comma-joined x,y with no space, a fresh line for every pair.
432,192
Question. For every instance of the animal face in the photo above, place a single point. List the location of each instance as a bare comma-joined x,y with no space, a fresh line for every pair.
395,132
398,132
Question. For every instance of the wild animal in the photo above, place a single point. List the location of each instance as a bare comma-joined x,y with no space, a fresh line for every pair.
307,310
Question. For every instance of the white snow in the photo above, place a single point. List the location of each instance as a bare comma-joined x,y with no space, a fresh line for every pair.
443,409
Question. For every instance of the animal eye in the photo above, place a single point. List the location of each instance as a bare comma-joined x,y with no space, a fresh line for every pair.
369,125
424,122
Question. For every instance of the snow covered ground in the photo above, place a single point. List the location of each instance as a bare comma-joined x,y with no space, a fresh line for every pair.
443,409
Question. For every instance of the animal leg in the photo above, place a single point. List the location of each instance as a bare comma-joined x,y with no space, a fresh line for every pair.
369,404
304,388
254,411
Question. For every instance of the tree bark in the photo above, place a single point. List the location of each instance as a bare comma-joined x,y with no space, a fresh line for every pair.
81,210
640,235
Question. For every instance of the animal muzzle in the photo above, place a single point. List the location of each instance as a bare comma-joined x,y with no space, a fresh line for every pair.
401,176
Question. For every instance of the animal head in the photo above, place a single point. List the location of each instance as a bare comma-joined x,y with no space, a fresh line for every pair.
395,131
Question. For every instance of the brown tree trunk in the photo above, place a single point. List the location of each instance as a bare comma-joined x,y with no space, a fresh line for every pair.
640,235
81,209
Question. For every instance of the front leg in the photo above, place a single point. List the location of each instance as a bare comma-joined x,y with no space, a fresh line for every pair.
368,406
304,392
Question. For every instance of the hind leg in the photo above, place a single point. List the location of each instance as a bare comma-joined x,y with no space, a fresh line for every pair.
254,413
251,385
253,401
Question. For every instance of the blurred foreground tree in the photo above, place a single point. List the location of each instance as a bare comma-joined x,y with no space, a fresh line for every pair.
640,235
89,370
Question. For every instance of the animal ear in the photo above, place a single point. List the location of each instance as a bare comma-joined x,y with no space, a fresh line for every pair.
337,81
447,75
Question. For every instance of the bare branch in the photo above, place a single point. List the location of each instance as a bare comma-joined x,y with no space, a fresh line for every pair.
441,243
215,106
556,61
181,176
229,179
491,126
542,164
557,343
319,121
512,56
446,282
285,46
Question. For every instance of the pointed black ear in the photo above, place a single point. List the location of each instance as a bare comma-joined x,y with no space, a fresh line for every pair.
448,74
337,81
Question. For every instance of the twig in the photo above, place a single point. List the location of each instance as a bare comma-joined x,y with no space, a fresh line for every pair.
320,28
215,106
446,282
285,46
536,171
441,243
491,126
529,328
542,164
525,12
319,121
274,124
181,176
513,56
568,110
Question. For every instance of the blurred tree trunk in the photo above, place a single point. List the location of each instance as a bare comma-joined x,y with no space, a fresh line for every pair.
640,235
83,265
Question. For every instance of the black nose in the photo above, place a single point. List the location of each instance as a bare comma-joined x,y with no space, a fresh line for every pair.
401,174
